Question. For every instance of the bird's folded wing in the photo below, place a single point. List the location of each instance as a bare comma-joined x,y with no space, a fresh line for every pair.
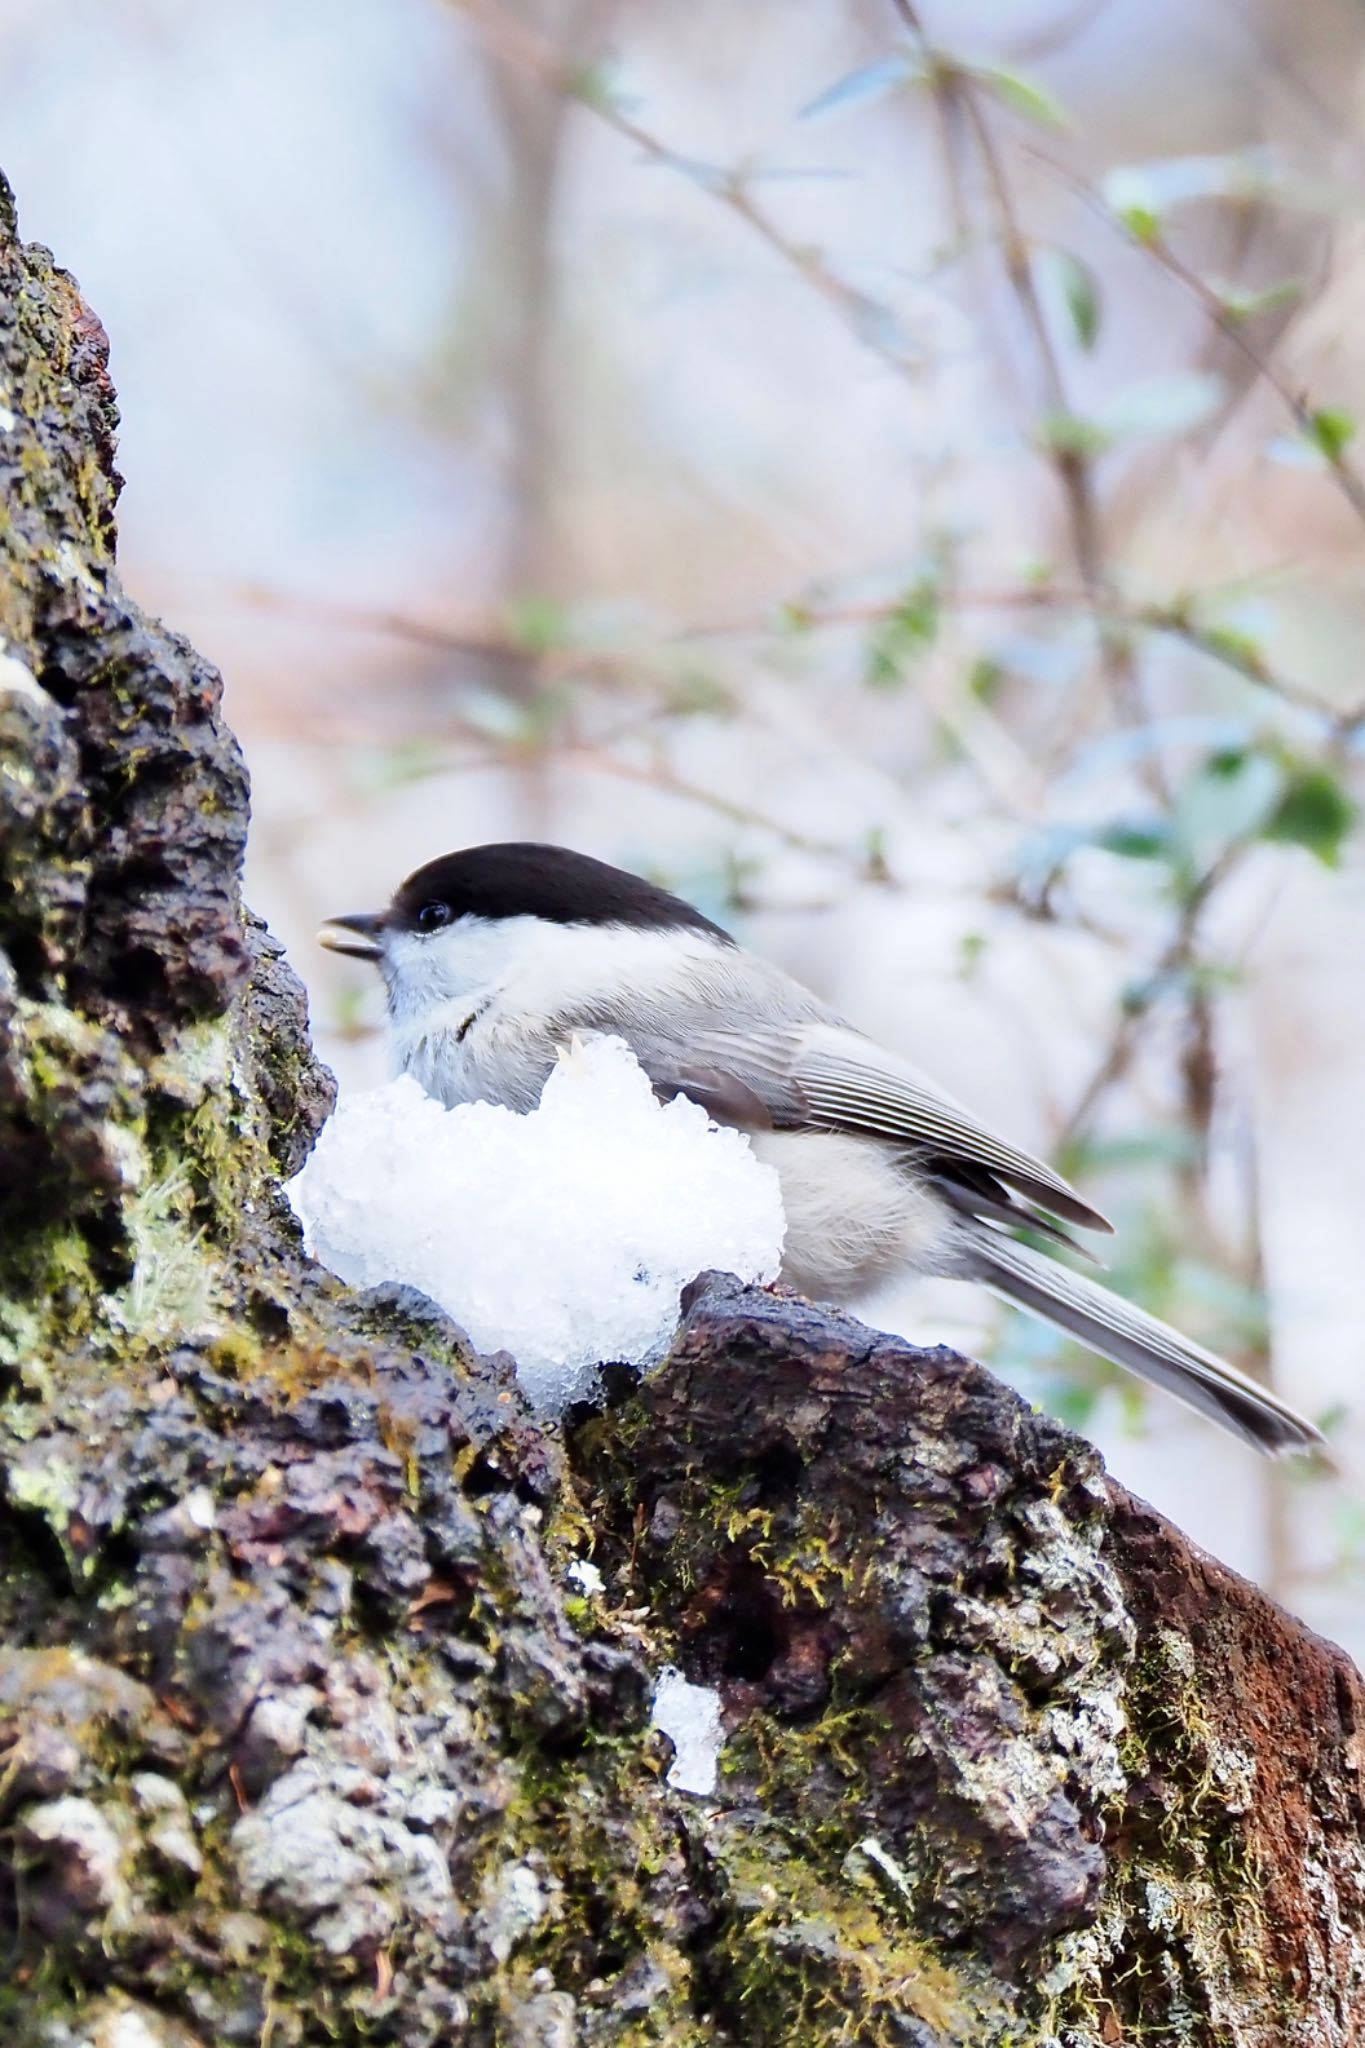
829,1075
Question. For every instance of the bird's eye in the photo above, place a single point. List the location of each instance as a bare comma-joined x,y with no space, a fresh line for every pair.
432,916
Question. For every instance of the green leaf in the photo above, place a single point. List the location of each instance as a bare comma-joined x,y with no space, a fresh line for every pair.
1025,95
1134,842
986,678
866,85
1314,811
911,628
538,624
1165,1145
1331,432
1069,434
1167,181
594,86
1226,797
1078,289
1134,196
407,761
698,694
1074,1403
1233,646
1142,222
1239,306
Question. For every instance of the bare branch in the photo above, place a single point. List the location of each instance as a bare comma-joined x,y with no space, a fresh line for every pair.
867,317
1300,408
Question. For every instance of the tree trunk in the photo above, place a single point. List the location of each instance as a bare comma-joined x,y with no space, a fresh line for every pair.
308,1735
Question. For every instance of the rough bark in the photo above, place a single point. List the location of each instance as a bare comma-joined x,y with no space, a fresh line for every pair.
308,1738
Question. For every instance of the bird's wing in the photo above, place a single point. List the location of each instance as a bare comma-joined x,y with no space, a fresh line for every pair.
827,1075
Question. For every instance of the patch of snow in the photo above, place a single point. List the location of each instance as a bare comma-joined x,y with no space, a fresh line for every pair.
124,2028
689,1715
564,1236
201,1508
15,675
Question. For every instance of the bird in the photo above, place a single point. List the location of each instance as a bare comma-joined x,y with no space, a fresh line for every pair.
495,957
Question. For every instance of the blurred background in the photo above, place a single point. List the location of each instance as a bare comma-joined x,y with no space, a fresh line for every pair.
889,471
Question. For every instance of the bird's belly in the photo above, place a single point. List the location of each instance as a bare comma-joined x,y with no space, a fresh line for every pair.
854,1210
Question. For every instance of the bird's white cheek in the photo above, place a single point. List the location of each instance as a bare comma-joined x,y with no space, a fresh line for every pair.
425,971
411,977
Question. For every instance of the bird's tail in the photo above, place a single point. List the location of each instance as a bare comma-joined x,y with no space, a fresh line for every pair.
1130,1337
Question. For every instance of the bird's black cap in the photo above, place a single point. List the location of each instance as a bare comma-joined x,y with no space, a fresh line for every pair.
523,879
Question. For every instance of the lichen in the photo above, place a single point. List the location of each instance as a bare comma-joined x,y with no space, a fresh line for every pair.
1178,1952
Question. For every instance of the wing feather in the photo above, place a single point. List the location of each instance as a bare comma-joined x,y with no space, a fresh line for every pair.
828,1074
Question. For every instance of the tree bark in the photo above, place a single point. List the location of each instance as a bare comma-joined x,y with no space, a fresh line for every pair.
308,1735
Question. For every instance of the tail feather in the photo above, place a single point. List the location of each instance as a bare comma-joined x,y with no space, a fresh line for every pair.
1120,1331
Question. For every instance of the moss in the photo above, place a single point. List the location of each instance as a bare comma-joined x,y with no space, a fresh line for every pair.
1180,1942
50,1297
45,1995
816,1941
837,1961
150,1179
593,1820
206,1128
141,1192
237,1352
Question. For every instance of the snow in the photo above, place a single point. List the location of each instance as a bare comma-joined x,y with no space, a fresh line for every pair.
14,675
689,1715
584,1575
564,1236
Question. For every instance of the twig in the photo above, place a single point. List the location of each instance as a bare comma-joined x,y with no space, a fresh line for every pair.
867,317
1176,955
488,640
1173,617
1300,409
1303,414
657,775
1054,36
480,638
955,89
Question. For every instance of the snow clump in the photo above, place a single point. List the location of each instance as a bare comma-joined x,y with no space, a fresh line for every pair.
563,1236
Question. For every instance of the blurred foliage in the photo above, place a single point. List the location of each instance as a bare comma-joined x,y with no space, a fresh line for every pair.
1139,723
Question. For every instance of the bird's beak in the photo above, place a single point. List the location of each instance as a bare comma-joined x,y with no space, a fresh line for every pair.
358,934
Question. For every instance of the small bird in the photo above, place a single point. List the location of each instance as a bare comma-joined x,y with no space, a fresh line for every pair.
494,957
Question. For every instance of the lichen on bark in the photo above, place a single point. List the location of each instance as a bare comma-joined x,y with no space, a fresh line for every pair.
307,1734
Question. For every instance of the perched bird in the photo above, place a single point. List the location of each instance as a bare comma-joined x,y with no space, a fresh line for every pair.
495,956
